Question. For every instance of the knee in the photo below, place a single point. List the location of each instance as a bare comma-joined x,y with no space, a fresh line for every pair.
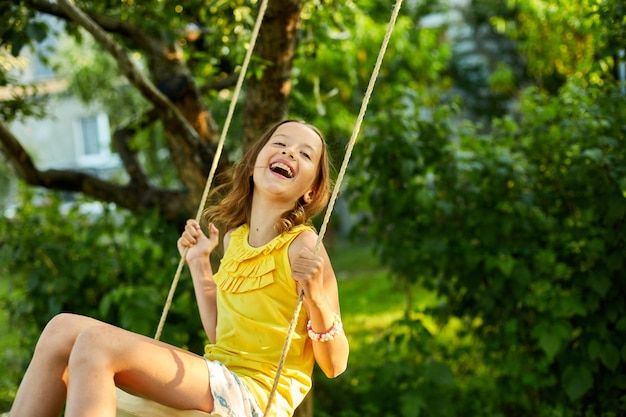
92,348
58,336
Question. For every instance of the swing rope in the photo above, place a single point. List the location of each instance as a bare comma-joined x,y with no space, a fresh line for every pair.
333,198
216,158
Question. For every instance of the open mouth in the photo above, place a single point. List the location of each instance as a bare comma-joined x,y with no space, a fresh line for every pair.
281,169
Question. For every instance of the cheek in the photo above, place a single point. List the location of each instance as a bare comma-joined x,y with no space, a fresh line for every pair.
257,161
311,176
263,156
315,171
255,174
260,162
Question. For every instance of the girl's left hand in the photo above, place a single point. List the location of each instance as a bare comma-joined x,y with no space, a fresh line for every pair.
308,270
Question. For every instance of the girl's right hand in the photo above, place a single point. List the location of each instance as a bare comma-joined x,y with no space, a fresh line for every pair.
197,244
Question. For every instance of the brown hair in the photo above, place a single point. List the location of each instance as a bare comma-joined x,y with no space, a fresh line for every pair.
233,209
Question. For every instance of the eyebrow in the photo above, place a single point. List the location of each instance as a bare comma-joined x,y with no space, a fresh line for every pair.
306,145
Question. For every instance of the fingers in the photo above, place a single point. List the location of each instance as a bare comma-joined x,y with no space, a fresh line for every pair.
192,234
307,266
213,233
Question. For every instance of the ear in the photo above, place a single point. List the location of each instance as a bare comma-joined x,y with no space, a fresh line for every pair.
308,197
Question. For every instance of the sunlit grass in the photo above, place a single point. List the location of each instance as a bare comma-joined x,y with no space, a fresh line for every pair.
371,300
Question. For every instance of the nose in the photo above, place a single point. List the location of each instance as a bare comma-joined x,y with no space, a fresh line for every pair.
289,153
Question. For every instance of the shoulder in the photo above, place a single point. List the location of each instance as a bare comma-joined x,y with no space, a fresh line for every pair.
227,238
305,239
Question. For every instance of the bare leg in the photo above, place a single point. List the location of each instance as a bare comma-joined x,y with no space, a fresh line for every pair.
43,388
105,356
87,358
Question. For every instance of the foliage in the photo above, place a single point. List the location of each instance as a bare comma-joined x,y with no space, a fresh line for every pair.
564,38
95,260
408,373
10,359
516,226
6,185
336,68
87,66
23,102
519,232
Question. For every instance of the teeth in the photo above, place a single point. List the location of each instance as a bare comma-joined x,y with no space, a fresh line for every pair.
282,168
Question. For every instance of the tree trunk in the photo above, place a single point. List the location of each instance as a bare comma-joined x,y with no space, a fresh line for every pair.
190,129
267,97
192,161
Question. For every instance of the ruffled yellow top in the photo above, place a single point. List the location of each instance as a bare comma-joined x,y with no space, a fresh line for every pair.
256,299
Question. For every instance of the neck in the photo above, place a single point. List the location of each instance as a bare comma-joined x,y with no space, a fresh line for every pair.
263,218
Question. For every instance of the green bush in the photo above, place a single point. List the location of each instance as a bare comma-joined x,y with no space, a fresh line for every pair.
408,373
107,264
520,232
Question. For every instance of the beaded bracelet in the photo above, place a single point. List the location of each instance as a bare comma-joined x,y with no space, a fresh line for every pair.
336,328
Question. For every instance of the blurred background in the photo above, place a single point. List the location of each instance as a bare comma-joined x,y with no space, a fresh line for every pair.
479,238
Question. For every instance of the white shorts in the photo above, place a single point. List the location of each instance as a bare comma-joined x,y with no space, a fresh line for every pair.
230,394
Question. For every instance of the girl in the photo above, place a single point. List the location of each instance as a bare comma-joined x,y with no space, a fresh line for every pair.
246,307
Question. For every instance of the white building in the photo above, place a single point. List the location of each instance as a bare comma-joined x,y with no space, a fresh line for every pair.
72,135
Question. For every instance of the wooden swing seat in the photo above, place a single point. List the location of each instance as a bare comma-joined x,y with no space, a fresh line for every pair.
129,405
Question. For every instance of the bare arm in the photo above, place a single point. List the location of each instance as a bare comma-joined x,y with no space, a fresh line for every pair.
199,248
315,276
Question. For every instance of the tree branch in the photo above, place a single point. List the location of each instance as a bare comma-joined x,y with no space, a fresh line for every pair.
122,136
267,98
107,23
17,155
167,110
222,83
135,197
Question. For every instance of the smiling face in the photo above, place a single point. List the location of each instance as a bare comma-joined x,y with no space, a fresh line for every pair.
288,163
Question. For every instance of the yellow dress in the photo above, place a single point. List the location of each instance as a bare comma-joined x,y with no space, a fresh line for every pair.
256,299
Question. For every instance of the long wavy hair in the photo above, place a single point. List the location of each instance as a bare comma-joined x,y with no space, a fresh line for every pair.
233,199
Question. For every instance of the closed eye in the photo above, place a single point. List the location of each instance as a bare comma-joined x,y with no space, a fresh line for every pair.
306,155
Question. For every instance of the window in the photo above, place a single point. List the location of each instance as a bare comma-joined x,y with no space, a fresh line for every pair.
93,140
91,135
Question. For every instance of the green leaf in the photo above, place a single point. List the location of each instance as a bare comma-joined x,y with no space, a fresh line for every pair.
610,356
37,30
438,373
506,265
570,305
615,209
551,336
411,405
594,154
595,349
105,305
622,184
425,198
550,343
600,284
576,380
